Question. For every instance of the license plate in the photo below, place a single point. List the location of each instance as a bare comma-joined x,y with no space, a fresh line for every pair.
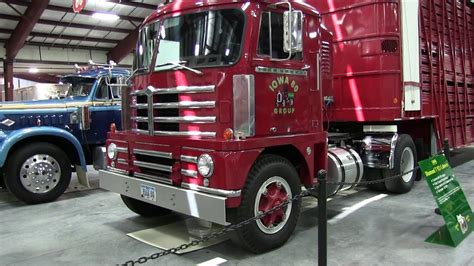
148,192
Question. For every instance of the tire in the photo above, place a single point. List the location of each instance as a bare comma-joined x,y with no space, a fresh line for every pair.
24,179
372,174
405,148
275,175
144,209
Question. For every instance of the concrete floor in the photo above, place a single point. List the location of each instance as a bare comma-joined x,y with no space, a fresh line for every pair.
90,227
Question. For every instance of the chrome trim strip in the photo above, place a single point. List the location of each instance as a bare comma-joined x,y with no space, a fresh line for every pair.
154,166
141,119
118,171
181,89
285,71
141,131
154,178
167,155
122,161
186,119
219,192
185,104
186,133
139,106
189,173
189,159
122,149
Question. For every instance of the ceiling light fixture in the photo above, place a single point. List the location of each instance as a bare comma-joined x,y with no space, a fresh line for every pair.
33,70
105,16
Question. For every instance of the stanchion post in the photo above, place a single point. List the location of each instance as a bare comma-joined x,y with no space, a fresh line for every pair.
447,152
322,219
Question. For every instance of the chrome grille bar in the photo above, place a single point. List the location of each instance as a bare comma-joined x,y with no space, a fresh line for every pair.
122,150
154,178
189,173
167,155
188,104
154,166
140,106
189,159
141,119
186,119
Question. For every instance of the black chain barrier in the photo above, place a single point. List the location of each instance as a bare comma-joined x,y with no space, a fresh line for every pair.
322,236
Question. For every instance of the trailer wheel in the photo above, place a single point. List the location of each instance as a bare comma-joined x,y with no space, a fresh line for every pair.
38,173
405,161
142,208
272,180
372,174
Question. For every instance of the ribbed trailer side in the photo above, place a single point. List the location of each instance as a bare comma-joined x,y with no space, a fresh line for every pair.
447,30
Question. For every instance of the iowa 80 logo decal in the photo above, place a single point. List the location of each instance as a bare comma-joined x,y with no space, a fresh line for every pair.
286,91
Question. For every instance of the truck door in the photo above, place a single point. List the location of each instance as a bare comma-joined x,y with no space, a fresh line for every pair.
105,110
280,81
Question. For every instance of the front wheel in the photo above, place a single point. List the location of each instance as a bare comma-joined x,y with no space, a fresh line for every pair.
272,181
405,159
38,173
142,208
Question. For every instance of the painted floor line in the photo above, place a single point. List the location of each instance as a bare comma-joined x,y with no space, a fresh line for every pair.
348,211
214,261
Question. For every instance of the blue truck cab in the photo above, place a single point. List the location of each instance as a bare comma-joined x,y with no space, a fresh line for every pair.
43,142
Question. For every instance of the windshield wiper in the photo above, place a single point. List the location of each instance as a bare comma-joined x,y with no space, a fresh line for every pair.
180,65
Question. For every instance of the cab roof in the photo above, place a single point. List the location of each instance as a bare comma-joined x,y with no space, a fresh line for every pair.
183,5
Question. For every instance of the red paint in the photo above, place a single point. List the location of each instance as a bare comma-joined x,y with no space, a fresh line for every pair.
273,197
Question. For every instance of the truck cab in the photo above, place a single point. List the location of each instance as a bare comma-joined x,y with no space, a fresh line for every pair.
42,142
224,116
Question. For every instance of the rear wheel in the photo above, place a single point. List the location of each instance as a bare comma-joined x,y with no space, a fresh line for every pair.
405,161
272,181
38,173
142,208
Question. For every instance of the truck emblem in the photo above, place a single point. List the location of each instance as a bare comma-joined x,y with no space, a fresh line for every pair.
285,97
8,122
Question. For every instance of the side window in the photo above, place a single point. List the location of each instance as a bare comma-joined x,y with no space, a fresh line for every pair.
103,91
270,42
115,90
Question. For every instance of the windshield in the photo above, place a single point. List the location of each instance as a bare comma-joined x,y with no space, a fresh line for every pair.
211,38
78,86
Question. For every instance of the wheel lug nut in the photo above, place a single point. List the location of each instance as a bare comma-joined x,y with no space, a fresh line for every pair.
265,193
279,184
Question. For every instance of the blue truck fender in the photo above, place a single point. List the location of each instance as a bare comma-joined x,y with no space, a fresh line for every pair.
7,141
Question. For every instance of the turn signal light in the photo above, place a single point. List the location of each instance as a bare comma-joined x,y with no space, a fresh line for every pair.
113,127
228,134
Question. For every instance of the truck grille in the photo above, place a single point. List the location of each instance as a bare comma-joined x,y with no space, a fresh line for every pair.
153,165
158,111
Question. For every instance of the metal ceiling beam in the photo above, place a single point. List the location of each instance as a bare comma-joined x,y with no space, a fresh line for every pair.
133,4
64,46
68,9
123,48
24,27
17,40
63,37
68,25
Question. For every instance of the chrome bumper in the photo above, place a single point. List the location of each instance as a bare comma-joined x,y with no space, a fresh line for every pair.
201,205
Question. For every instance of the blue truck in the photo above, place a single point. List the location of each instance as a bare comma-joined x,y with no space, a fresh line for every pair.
43,142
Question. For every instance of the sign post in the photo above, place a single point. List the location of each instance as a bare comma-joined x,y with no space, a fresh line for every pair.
451,202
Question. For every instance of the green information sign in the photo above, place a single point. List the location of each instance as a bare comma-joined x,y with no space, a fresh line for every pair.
451,202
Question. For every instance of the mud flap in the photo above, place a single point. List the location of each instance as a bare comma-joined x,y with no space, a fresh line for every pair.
82,177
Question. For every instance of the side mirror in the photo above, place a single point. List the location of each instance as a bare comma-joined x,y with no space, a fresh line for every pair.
293,31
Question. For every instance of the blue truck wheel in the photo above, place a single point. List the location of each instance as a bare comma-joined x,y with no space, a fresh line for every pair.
38,173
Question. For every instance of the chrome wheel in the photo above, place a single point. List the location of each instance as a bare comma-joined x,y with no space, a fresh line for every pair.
273,192
40,173
407,163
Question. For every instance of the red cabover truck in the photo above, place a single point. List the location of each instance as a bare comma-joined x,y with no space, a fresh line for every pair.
227,111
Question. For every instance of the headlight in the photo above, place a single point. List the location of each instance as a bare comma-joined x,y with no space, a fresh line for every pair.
205,165
112,151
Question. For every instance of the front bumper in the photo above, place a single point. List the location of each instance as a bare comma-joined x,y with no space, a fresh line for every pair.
201,205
